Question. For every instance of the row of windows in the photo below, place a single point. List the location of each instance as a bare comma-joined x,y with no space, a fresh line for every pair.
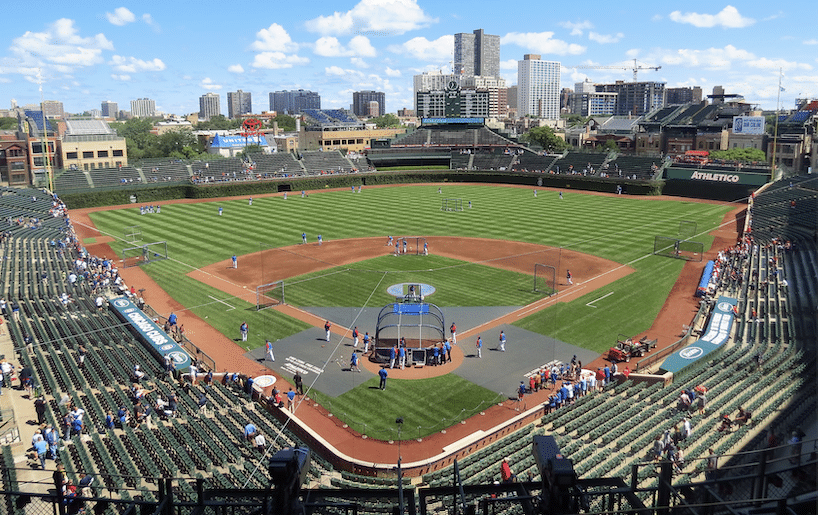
336,142
89,154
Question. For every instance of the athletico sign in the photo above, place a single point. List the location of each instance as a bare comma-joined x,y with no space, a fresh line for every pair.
150,333
718,177
730,177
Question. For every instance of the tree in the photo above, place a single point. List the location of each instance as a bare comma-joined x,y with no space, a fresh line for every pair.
285,123
387,120
740,155
546,138
8,123
610,145
218,122
248,150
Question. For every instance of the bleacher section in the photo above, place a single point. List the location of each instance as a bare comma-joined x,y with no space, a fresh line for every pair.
32,274
108,177
69,180
164,170
331,161
628,166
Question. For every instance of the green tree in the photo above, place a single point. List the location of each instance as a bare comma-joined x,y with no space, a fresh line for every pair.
546,138
249,149
218,122
610,145
740,155
285,123
8,123
387,120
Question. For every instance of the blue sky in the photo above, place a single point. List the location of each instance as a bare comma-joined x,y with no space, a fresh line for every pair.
173,52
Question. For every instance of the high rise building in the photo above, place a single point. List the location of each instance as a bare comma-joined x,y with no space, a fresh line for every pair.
538,87
143,108
361,100
239,103
53,109
679,96
294,101
110,109
477,54
496,88
635,98
209,106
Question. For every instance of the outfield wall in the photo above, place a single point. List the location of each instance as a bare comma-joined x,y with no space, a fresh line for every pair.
147,194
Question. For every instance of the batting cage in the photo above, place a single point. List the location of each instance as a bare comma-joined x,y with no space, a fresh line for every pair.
680,249
545,279
451,204
133,233
269,295
144,254
419,324
414,245
687,229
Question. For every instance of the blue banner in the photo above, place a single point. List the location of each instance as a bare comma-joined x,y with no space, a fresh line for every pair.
718,331
151,334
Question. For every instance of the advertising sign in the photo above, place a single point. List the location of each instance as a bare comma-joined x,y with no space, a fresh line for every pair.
748,125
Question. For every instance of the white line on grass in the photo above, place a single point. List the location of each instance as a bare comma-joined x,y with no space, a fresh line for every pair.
589,303
223,302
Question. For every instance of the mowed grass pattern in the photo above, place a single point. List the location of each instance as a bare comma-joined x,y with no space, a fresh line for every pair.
457,283
618,228
448,400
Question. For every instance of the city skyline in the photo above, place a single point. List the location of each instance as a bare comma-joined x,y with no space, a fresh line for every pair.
87,54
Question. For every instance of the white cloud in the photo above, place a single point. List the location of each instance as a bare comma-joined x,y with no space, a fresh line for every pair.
122,78
710,58
358,62
577,28
392,73
148,19
374,18
776,64
208,84
235,68
811,42
120,16
274,39
329,46
438,50
133,65
59,44
337,71
605,39
542,43
277,60
728,18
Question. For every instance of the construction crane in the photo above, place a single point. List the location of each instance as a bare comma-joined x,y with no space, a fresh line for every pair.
635,68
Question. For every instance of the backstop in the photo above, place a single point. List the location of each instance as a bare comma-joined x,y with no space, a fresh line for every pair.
414,245
270,294
545,277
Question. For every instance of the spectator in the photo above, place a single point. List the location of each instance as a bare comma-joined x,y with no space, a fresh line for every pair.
291,400
39,407
742,417
249,431
726,423
260,442
712,466
41,447
506,474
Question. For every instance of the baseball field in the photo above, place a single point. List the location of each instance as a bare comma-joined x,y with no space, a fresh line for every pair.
618,229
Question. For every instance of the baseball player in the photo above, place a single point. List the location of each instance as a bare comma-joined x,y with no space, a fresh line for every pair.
569,277
389,242
404,246
269,346
235,261
353,363
453,329
535,193
355,336
320,239
479,346
220,211
303,237
327,327
250,202
244,329
425,249
366,342
502,346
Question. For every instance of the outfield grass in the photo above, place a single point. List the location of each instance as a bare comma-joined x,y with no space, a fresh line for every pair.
618,228
448,399
457,283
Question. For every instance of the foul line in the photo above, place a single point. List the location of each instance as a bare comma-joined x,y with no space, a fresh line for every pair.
589,303
222,302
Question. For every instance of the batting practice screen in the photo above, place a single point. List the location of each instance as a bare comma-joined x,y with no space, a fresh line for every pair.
268,295
680,249
545,277
451,204
687,229
414,245
144,254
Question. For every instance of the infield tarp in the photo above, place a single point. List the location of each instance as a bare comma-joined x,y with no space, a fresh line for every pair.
718,330
706,274
150,334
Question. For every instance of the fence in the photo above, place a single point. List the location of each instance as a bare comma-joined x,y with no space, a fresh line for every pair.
195,352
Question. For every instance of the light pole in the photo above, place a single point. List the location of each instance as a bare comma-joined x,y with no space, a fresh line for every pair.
399,422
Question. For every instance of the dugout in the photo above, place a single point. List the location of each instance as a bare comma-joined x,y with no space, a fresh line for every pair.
420,324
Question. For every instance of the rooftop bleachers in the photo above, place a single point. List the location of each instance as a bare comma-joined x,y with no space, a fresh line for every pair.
68,180
109,177
627,166
278,164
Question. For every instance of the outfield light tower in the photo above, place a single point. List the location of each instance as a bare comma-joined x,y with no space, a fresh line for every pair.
399,422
